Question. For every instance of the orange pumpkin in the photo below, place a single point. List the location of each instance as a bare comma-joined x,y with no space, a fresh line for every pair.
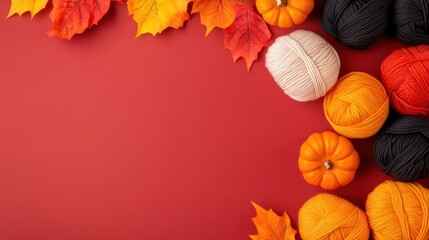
328,160
284,13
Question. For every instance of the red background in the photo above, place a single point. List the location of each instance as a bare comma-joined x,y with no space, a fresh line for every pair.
111,137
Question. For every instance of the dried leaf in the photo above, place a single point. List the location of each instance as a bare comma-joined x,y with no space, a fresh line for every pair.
153,16
247,35
215,13
21,6
270,226
73,17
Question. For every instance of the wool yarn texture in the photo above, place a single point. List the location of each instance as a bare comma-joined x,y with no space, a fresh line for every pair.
357,106
327,216
356,23
303,64
402,150
398,210
405,74
411,21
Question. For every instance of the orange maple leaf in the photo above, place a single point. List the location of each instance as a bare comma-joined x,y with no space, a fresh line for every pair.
215,13
270,226
73,17
247,35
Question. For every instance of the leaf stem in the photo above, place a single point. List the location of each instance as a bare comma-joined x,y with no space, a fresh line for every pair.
281,3
328,165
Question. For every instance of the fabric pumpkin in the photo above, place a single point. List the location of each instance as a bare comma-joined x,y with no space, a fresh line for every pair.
284,13
328,160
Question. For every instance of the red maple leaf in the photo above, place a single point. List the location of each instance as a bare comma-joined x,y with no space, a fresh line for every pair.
248,34
73,17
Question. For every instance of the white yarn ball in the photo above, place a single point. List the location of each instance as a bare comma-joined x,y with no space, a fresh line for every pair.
303,64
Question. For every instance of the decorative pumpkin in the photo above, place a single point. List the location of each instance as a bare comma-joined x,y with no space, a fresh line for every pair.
328,160
284,13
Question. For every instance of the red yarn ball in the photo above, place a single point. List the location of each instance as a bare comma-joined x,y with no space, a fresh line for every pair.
405,75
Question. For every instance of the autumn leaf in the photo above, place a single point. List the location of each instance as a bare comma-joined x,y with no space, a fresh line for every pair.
21,6
247,35
73,17
215,13
153,16
270,226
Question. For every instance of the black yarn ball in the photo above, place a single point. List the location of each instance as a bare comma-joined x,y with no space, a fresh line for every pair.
411,21
356,23
402,150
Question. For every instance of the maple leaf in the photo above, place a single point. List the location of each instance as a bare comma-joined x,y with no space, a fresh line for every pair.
21,6
70,17
215,13
270,226
247,35
153,16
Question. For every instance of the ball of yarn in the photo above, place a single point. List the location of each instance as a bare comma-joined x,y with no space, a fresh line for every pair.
356,23
402,150
357,106
303,64
399,210
405,74
411,21
326,216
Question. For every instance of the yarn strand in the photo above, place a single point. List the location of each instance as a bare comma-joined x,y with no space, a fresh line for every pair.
398,210
303,64
405,74
357,106
326,216
411,21
402,150
356,23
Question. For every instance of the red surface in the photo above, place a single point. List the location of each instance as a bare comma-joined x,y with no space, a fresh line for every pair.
111,137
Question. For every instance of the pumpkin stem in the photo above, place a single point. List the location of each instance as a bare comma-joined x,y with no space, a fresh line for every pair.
328,165
281,3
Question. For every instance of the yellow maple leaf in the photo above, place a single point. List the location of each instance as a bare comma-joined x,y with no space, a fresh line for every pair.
270,226
215,13
153,16
21,6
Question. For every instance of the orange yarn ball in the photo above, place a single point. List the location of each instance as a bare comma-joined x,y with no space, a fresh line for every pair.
326,216
398,210
357,106
405,74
